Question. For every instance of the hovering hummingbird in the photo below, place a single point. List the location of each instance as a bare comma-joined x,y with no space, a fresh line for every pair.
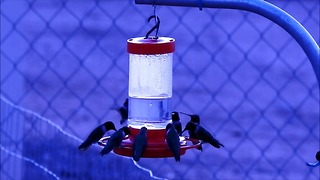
96,135
115,140
176,122
202,134
139,144
173,141
317,163
123,111
196,120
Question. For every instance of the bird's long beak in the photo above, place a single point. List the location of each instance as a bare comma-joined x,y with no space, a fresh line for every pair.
183,130
185,113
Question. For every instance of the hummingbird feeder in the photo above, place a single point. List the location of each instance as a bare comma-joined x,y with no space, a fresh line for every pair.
150,93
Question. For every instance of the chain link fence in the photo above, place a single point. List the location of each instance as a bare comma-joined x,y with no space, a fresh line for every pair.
64,66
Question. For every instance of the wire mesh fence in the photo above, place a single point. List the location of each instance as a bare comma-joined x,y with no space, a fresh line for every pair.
249,81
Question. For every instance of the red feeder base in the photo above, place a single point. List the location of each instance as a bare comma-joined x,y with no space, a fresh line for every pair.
156,147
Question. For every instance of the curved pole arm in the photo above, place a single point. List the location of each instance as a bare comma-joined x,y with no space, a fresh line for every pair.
263,8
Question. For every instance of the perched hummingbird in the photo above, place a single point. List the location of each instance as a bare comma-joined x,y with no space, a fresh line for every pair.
317,163
176,122
196,120
115,140
139,144
173,141
202,134
123,111
96,135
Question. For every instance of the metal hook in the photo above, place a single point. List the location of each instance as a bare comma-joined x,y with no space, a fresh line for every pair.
200,4
155,27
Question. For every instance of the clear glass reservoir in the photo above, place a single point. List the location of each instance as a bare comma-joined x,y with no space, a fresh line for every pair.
150,82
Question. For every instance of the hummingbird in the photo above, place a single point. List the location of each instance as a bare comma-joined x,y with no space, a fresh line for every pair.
202,134
176,122
139,144
173,141
115,140
96,135
196,120
317,163
123,111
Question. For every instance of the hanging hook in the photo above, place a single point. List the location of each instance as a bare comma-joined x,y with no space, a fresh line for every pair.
200,4
155,27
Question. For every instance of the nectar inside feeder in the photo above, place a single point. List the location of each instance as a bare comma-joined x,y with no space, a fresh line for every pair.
150,93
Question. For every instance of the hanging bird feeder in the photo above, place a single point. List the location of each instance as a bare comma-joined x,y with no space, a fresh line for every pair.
150,93
150,74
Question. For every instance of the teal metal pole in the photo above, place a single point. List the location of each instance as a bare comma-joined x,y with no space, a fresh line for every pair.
265,9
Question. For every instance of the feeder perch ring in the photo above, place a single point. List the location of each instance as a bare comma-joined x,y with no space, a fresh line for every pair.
153,150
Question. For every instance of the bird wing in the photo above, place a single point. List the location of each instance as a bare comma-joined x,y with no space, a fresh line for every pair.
173,142
206,136
178,127
114,141
139,145
93,137
124,114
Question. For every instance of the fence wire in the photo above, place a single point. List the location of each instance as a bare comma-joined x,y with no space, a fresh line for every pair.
247,78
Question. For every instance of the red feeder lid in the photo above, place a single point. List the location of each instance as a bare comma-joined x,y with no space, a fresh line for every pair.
142,45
